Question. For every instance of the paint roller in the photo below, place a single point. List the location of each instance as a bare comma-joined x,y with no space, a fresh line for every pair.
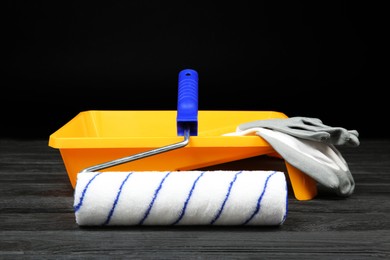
194,197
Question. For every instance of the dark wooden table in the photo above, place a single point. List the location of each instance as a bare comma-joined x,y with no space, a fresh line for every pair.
37,219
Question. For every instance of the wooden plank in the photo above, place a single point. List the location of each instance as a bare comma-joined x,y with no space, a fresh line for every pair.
177,243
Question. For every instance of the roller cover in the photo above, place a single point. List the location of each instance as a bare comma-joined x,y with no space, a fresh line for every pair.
181,198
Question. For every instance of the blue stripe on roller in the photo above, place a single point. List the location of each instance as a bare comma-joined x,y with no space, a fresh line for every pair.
154,198
78,206
285,213
226,198
187,200
116,200
259,200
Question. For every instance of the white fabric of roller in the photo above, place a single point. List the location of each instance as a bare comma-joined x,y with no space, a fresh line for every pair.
181,198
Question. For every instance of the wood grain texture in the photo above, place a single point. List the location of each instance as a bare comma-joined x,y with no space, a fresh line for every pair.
37,218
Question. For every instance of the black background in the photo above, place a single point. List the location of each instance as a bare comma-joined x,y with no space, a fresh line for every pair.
319,59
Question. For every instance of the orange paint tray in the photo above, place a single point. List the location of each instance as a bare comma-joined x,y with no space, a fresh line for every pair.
94,137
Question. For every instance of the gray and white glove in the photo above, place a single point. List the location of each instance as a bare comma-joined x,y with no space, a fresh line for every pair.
309,145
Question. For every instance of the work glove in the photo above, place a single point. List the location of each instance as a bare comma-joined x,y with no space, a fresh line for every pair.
309,146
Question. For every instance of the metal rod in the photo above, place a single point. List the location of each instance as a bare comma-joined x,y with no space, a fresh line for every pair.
141,155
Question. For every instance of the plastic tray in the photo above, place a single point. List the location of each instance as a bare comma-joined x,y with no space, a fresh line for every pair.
94,137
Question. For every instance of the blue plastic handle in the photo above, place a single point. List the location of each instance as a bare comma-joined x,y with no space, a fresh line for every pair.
187,102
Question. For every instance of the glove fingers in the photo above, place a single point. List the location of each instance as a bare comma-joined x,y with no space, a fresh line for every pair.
309,129
347,183
341,136
306,134
294,126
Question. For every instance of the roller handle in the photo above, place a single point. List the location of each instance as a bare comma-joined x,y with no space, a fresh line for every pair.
187,102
